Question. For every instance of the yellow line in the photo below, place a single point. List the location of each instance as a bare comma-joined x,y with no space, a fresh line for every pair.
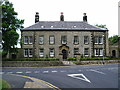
48,84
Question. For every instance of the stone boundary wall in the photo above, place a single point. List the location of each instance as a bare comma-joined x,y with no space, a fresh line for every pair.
31,63
99,62
49,63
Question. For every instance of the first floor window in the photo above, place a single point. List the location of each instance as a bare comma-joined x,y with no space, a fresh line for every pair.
52,40
76,50
64,39
98,40
28,53
76,40
41,52
86,40
41,40
52,52
86,51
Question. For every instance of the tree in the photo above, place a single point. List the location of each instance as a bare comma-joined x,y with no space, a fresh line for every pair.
101,26
113,39
10,24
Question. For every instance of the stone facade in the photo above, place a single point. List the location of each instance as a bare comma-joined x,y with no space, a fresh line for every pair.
69,47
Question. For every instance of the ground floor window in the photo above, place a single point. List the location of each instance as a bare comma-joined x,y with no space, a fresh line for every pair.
98,52
41,52
52,52
86,51
28,53
76,51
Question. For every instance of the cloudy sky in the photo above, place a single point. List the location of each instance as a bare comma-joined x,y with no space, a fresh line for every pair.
98,11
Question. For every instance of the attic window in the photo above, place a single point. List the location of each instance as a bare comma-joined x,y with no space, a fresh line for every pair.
42,26
51,26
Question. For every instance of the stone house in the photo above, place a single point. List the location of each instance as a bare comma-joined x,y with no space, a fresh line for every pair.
64,39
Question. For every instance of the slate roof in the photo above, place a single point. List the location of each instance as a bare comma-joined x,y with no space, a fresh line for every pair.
62,25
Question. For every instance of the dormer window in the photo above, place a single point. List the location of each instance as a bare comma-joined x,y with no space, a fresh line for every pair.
42,26
51,26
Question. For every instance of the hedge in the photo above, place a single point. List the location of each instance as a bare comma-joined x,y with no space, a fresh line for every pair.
32,59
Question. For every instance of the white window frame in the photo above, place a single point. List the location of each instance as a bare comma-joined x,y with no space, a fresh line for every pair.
26,40
51,39
52,52
41,39
96,51
76,39
41,53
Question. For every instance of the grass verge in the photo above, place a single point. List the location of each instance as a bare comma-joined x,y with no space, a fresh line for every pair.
4,85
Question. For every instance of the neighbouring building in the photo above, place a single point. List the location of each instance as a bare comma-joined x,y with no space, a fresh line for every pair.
64,39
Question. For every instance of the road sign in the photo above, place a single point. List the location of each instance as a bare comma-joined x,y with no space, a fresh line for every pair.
79,76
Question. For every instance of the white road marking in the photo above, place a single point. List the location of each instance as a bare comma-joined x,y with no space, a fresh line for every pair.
9,72
53,71
62,71
45,71
36,71
28,72
76,76
79,70
19,72
1,72
97,71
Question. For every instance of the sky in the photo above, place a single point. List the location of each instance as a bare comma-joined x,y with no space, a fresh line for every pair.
98,11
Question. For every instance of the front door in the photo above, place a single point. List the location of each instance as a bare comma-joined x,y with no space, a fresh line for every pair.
64,52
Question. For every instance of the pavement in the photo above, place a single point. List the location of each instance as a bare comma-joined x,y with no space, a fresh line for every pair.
87,76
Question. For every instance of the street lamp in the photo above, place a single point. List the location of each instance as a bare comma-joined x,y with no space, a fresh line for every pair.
103,51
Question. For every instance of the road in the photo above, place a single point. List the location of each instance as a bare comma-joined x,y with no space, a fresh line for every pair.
88,76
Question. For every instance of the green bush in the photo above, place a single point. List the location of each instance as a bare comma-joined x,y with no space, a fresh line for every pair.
96,58
71,59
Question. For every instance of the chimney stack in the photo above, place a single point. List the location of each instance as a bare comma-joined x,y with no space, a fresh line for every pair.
62,17
37,17
84,17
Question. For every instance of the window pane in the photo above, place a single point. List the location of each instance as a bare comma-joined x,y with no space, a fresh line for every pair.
30,53
52,39
64,39
76,40
25,52
96,52
86,51
101,52
30,40
96,40
86,40
41,52
26,40
76,50
41,38
100,40
52,53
